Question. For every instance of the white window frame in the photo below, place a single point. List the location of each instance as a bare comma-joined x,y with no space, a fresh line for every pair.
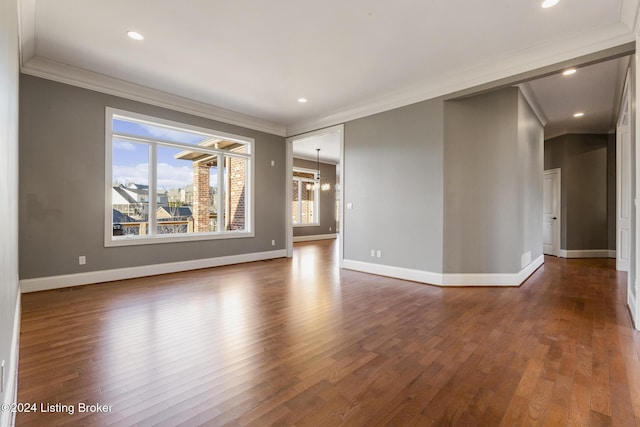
316,197
152,237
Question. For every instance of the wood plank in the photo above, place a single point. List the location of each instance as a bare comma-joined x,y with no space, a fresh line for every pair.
266,343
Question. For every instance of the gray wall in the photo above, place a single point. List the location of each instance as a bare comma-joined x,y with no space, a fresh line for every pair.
531,164
393,163
585,163
8,182
327,200
492,182
62,161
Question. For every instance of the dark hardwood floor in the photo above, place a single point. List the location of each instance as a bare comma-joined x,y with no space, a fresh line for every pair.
299,342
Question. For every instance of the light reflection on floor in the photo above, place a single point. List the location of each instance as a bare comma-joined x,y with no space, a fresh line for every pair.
227,323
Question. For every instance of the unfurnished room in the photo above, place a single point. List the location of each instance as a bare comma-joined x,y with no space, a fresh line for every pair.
319,213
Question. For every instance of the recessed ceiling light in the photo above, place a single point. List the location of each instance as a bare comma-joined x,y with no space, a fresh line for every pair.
302,100
569,72
578,115
135,35
549,3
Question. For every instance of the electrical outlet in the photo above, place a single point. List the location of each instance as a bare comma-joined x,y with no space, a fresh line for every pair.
273,243
379,253
329,228
273,162
373,252
82,260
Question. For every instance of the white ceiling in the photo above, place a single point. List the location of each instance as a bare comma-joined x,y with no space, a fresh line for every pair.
328,143
249,62
594,90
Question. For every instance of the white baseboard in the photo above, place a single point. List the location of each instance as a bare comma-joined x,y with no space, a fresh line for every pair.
631,303
587,253
498,279
396,272
68,280
446,279
7,418
314,237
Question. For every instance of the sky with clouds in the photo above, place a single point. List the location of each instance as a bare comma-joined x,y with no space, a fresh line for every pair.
131,160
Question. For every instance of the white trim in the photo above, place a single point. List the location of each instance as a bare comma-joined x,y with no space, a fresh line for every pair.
52,70
339,129
631,304
288,185
532,100
557,241
314,237
68,280
446,279
395,272
500,279
587,253
612,253
537,57
7,418
152,237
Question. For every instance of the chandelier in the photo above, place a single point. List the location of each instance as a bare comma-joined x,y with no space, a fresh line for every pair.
324,186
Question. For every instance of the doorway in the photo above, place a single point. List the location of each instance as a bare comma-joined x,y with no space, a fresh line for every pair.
319,151
551,219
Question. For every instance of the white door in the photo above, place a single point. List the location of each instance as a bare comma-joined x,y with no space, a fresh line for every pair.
551,212
623,199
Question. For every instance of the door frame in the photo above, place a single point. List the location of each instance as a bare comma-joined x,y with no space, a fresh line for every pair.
623,181
557,227
339,130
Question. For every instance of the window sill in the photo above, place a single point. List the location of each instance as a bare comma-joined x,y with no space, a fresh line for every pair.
152,240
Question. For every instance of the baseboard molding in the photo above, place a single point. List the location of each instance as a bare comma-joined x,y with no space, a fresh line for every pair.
314,237
68,280
631,304
11,370
587,253
395,272
498,279
446,279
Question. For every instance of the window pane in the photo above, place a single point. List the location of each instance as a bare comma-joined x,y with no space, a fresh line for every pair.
155,131
186,192
130,188
295,209
236,178
200,180
307,204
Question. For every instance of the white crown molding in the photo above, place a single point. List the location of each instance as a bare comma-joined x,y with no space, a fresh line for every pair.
74,76
91,277
532,100
492,71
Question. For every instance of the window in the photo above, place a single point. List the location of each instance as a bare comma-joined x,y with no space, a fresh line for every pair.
169,181
306,194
